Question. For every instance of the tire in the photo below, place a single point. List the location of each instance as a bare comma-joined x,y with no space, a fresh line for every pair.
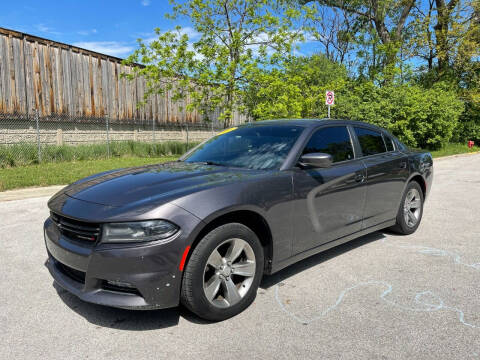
211,270
408,223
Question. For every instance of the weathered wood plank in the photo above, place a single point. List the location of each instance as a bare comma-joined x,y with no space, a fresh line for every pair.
28,65
11,76
91,87
54,73
55,78
37,88
19,75
67,83
4,91
43,75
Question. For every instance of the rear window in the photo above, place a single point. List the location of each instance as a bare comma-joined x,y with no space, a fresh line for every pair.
388,143
371,141
400,146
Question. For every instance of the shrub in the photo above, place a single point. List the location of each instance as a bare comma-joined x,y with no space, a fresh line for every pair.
419,116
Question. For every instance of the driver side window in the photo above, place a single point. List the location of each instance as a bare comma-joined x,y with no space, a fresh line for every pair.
333,140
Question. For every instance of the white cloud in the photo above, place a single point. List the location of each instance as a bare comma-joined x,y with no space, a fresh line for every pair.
42,28
87,32
145,2
190,32
112,48
46,29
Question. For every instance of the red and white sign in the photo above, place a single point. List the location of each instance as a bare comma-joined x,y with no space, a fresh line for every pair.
329,98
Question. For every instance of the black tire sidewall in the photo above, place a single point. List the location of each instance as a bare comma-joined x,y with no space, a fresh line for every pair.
197,302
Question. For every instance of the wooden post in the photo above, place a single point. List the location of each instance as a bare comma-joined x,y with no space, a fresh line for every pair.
59,137
108,136
39,153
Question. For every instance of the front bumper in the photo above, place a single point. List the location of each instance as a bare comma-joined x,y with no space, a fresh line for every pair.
83,269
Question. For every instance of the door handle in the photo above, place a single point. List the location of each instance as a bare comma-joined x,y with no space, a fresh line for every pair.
403,165
359,178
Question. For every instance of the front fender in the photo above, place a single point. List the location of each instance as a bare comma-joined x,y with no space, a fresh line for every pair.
271,198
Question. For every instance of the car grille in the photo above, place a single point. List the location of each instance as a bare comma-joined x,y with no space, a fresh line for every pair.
76,230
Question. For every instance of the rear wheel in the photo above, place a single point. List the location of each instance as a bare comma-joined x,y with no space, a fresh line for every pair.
223,273
411,210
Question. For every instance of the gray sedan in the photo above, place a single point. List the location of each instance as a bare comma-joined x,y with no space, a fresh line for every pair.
203,230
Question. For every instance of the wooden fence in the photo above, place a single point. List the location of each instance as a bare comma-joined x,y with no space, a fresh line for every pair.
60,79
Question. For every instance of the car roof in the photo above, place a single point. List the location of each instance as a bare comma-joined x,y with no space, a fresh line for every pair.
312,122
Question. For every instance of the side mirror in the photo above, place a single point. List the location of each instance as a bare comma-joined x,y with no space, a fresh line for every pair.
316,160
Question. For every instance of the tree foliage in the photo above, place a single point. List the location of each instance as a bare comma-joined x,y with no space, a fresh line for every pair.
412,66
421,117
295,90
235,37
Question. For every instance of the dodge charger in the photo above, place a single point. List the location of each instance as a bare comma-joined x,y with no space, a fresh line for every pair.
203,230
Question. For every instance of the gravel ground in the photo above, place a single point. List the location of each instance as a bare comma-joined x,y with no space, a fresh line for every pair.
380,296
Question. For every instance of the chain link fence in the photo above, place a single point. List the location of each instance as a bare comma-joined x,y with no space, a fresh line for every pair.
30,139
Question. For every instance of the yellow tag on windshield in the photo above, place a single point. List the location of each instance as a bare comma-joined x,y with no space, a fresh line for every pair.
226,131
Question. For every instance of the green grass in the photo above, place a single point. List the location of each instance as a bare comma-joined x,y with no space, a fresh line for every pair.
454,149
67,172
26,154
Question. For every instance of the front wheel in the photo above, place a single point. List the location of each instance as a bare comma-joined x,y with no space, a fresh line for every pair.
222,275
411,210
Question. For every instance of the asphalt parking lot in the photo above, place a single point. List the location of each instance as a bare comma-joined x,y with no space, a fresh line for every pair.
380,296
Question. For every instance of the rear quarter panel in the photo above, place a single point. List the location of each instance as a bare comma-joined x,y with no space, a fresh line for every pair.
421,163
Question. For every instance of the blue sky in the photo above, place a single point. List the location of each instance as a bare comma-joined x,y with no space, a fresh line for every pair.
109,27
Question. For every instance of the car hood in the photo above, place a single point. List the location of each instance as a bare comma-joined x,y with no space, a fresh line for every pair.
154,183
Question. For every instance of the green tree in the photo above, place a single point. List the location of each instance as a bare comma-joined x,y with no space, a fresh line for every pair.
419,116
447,35
295,90
235,37
387,18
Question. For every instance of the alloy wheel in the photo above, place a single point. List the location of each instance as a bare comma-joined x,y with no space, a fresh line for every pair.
229,273
412,207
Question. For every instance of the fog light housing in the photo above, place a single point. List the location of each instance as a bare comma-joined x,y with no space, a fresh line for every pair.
120,284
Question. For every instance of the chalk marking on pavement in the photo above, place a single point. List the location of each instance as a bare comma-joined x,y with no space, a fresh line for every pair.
457,258
423,299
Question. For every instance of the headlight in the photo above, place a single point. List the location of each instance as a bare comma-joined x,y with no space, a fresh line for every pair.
138,231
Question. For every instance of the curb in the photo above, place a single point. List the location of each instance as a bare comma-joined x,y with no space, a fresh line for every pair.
455,156
29,193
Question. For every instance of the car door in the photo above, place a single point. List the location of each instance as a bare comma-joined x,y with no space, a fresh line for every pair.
387,171
329,201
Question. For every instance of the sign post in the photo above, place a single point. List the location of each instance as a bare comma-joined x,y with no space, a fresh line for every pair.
329,100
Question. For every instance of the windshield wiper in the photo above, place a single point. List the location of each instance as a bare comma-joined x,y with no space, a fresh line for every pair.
204,163
212,163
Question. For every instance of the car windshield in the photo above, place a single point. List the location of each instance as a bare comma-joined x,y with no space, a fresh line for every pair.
250,146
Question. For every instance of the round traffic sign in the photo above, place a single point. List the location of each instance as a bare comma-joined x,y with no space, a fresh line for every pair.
329,98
